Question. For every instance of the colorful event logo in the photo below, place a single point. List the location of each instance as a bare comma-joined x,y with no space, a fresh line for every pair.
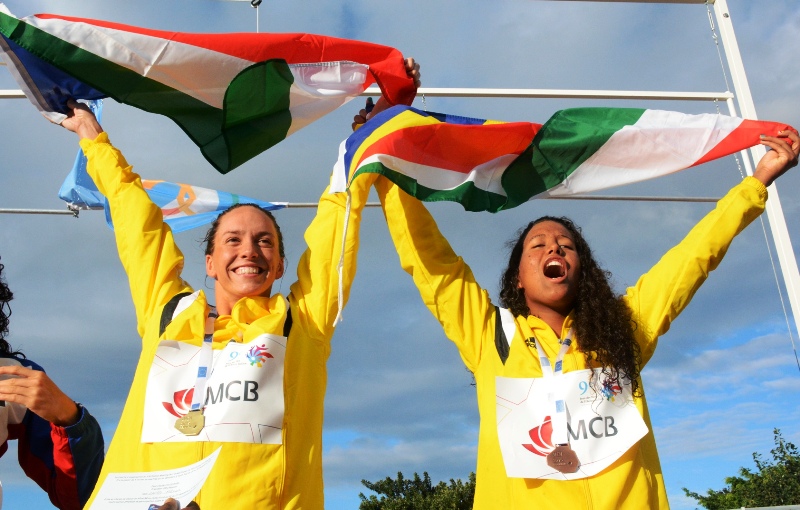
610,389
542,438
182,400
258,354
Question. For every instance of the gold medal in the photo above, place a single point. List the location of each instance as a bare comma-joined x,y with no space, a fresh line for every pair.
564,459
191,424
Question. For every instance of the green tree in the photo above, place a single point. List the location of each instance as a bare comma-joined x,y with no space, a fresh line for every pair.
418,494
774,482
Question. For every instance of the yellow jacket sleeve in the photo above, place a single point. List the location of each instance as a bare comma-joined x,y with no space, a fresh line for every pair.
666,289
145,244
315,294
445,282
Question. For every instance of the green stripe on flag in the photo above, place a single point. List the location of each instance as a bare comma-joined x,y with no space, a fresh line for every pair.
467,194
256,109
563,143
201,122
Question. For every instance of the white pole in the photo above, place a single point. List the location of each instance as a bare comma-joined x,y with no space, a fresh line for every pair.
777,221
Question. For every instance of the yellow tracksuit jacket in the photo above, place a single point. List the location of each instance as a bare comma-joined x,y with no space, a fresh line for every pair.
464,309
246,476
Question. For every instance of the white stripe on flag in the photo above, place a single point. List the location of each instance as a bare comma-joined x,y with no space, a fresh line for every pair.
660,143
486,176
318,89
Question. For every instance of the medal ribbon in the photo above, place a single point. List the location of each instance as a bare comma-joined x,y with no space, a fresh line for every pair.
204,362
558,413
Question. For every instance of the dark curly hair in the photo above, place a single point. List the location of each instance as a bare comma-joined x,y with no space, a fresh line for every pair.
602,321
5,312
212,231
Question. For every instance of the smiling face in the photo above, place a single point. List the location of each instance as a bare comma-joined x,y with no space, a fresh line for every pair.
549,270
245,260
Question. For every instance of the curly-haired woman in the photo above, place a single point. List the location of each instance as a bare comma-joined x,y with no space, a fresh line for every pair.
564,421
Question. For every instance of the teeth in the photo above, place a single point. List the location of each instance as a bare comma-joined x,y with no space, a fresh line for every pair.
247,270
554,269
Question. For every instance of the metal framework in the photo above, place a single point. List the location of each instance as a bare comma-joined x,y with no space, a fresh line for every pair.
742,98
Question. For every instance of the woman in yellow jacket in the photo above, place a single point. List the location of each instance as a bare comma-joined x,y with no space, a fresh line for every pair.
247,376
564,421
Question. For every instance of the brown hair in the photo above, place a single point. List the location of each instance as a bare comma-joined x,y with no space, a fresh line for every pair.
602,321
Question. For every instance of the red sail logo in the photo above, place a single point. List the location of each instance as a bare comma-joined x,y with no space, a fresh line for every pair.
181,404
542,438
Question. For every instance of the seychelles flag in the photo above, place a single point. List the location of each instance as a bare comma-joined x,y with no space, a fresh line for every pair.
235,95
492,166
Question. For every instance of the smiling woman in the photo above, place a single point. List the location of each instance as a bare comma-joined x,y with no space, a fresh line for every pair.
244,254
564,422
262,356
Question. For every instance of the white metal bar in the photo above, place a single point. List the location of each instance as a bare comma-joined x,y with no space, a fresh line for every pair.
645,1
777,221
39,211
565,94
529,93
301,205
12,94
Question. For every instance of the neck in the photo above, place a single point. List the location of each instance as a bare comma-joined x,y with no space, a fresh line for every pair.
552,318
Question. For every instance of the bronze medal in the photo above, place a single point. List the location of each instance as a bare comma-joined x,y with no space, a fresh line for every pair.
563,459
191,424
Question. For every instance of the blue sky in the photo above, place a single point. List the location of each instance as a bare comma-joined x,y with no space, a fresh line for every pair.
399,398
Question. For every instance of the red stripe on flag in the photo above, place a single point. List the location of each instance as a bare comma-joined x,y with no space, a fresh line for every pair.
386,63
746,135
459,148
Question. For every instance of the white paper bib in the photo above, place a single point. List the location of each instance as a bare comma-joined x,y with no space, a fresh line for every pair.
243,400
603,423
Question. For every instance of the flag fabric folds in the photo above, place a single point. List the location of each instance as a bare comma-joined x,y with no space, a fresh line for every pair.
492,166
78,189
186,207
235,95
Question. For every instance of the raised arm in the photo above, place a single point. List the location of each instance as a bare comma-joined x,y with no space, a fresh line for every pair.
145,244
662,293
445,282
316,291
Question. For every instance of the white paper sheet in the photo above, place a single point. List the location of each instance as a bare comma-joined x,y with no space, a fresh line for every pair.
137,491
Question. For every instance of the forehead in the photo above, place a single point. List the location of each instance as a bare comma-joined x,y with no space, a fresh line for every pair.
549,228
246,219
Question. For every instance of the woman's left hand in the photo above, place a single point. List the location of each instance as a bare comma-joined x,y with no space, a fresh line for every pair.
36,391
782,157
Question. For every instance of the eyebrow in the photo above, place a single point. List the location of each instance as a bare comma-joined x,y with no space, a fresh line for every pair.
239,232
557,236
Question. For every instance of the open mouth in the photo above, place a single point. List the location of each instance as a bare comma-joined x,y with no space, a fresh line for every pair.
554,269
248,270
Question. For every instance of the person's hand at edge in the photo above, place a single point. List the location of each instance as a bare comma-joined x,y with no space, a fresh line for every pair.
36,391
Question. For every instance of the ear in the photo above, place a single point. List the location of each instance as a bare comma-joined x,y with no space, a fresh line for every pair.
280,270
210,271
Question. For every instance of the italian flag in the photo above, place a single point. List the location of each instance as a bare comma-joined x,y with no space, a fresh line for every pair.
492,166
235,95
